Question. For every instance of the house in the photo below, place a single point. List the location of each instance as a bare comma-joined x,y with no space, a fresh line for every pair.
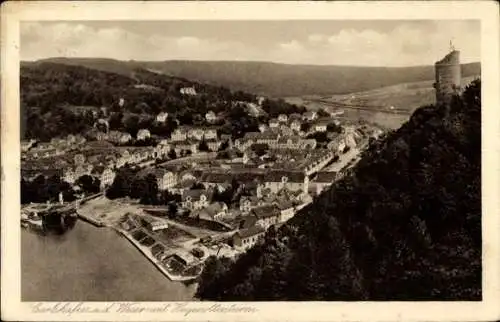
180,146
143,134
287,210
187,91
97,135
196,133
295,125
165,179
247,203
260,100
251,138
79,159
286,131
179,134
211,117
107,177
337,144
253,109
161,150
69,175
321,125
248,237
267,215
195,199
323,180
210,134
336,113
217,180
290,180
181,187
310,115
188,175
162,117
215,211
118,137
263,127
274,123
102,123
213,145
282,118
153,224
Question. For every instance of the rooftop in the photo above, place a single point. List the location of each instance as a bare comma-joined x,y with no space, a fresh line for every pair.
251,231
266,211
325,177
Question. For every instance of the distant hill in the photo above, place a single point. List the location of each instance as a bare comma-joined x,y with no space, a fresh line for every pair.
272,79
404,224
58,99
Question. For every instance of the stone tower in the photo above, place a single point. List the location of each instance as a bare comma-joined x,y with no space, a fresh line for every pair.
448,76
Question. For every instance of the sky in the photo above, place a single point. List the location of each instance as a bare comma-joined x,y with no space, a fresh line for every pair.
316,42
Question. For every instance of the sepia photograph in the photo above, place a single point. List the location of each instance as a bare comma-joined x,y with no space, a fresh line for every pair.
249,160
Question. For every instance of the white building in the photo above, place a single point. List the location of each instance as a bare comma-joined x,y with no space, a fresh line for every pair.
188,91
162,117
283,118
211,117
179,134
143,134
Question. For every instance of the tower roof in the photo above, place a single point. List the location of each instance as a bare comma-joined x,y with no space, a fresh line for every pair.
451,58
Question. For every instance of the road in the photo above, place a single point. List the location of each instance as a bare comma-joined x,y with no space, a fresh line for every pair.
380,109
344,159
194,157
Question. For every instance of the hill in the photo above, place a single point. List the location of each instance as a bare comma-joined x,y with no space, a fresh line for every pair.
273,79
59,99
405,224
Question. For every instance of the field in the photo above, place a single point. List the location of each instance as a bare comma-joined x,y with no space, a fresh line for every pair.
407,96
403,97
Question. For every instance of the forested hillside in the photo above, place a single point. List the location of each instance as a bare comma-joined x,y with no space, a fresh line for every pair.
59,99
272,79
404,225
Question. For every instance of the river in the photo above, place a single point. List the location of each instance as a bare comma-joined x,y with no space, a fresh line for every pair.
91,264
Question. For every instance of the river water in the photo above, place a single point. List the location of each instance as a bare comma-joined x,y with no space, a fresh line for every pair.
91,264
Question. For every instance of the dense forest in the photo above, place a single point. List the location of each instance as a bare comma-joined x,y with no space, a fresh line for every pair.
59,99
275,80
405,224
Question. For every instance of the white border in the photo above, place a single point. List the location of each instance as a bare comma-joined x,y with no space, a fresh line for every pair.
487,12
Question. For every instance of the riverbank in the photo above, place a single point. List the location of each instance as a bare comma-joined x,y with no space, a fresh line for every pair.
147,253
90,219
90,264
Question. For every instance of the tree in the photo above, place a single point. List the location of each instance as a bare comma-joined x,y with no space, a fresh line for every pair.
172,155
203,146
223,146
131,124
149,195
197,185
121,184
115,121
320,137
260,148
213,270
332,127
88,184
172,210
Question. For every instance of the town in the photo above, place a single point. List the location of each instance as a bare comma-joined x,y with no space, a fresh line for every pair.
196,193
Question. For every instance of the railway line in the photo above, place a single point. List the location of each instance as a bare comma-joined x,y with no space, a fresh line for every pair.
379,109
